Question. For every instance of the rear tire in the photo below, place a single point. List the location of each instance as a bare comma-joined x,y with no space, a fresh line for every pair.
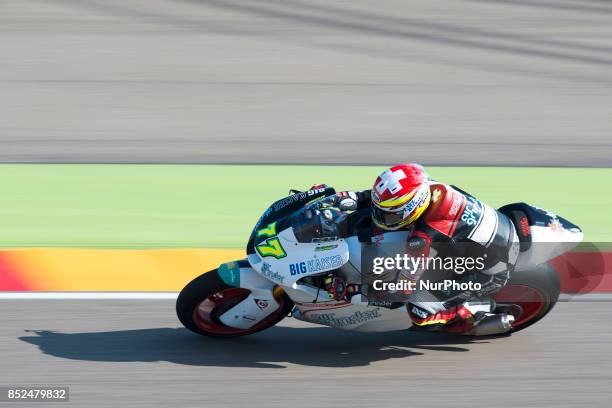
536,291
206,297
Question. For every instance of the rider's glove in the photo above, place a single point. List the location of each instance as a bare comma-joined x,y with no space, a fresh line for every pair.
318,186
346,200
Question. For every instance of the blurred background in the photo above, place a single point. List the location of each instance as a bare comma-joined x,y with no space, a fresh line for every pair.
515,82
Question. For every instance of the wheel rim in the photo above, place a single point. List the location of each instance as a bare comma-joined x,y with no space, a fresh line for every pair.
531,300
206,313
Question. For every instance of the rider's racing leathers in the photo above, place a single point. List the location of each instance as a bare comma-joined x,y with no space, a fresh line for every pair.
454,224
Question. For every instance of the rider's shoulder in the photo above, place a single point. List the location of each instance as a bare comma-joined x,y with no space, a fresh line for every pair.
444,209
446,201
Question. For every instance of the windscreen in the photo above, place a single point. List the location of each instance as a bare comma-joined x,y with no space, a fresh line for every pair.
319,221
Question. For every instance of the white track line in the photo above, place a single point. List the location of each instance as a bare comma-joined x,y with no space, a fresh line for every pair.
588,297
89,295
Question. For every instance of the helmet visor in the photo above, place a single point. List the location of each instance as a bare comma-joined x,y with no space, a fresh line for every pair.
390,219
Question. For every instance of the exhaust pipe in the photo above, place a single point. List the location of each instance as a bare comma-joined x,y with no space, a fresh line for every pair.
495,324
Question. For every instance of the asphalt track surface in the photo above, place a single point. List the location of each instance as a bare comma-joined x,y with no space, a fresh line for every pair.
125,353
516,82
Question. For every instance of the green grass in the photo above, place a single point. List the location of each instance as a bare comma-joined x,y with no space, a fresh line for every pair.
217,205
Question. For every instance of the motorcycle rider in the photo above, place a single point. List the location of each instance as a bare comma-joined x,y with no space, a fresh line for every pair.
440,218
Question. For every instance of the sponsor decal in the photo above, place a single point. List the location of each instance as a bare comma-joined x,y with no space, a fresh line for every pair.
419,312
330,319
262,303
324,239
320,264
472,212
325,248
455,206
315,191
383,303
413,204
285,202
323,305
524,223
267,272
297,268
315,265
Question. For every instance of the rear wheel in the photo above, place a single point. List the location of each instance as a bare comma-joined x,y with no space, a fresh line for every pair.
535,291
207,297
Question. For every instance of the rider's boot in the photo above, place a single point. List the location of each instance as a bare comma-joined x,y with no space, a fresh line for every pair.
458,319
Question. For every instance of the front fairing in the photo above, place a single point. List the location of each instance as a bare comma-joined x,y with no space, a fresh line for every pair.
284,208
297,260
309,242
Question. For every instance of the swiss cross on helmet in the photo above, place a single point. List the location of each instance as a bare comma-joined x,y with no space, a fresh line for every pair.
399,196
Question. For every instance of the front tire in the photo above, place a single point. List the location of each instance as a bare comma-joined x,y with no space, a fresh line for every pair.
207,297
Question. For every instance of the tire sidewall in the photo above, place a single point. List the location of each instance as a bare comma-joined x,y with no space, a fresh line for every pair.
543,278
205,286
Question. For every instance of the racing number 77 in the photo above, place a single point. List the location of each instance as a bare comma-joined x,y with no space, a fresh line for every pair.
271,247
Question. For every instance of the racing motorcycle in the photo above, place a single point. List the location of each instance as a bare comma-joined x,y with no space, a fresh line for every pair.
301,238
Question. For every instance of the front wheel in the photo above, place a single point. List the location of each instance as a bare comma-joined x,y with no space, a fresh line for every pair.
536,292
207,297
